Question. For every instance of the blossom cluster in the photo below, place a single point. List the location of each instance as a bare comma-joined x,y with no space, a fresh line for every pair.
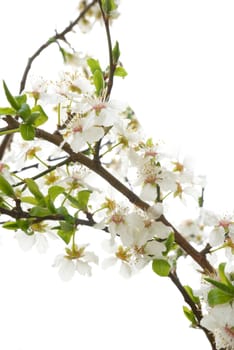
79,159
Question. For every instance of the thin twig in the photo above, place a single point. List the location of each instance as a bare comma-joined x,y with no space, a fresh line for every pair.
194,307
53,39
58,36
112,66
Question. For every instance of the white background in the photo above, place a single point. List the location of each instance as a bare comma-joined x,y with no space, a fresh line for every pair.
179,56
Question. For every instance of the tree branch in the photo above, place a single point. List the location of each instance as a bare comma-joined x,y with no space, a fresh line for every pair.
58,36
132,197
194,307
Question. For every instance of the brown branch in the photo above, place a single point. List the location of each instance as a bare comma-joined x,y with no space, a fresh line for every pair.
53,39
194,307
112,66
58,36
132,197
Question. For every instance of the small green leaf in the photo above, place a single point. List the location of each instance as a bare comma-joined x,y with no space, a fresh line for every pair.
229,289
217,296
55,191
7,111
39,212
120,72
161,267
116,53
29,199
20,99
10,98
24,111
6,187
108,6
98,82
83,199
40,116
34,189
170,243
21,224
94,65
10,225
222,275
66,231
190,316
194,298
27,132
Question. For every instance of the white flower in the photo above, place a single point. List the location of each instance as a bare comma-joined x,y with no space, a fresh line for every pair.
38,238
106,113
154,249
220,321
84,131
76,259
26,242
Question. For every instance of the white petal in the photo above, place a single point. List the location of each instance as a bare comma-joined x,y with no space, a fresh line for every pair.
216,237
111,261
25,241
83,268
148,192
161,230
155,248
91,257
93,134
67,269
41,243
125,270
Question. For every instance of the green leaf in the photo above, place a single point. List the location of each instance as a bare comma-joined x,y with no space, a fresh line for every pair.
28,199
108,6
27,132
24,111
39,212
11,225
6,187
21,224
170,243
40,116
228,289
83,199
7,111
222,275
120,72
217,296
55,191
94,65
190,315
66,231
161,267
10,98
194,298
34,189
20,99
116,53
24,225
98,82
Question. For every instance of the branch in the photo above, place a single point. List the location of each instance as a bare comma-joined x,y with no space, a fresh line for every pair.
53,39
58,36
132,197
194,307
112,66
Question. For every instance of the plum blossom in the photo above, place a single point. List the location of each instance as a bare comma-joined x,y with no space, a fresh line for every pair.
77,259
83,131
138,245
38,237
223,228
220,321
